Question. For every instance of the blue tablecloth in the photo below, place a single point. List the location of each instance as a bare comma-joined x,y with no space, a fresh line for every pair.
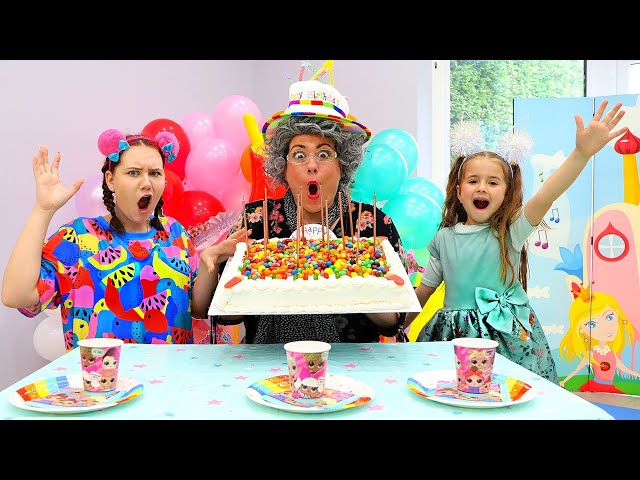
210,382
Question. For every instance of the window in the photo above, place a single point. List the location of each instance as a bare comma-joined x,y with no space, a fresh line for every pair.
483,90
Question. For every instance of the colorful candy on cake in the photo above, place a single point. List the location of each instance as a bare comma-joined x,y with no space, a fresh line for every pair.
314,276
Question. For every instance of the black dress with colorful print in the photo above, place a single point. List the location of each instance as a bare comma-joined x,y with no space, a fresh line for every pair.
332,328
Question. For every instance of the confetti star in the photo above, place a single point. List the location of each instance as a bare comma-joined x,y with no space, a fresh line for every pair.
376,407
238,356
391,380
215,402
140,365
350,365
240,377
156,381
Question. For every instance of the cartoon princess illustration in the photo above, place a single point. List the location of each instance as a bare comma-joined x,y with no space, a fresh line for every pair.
598,333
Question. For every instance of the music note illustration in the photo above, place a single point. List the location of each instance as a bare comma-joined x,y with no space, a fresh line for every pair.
540,243
555,215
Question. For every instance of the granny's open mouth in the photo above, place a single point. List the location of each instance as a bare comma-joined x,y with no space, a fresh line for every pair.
313,189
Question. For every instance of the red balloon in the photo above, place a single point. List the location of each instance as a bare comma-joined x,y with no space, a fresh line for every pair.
154,127
197,207
173,193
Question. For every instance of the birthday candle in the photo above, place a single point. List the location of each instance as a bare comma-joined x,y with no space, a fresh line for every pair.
326,212
246,237
349,210
374,223
341,223
265,222
321,218
358,237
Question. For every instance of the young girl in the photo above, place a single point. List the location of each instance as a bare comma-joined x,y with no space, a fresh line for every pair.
479,249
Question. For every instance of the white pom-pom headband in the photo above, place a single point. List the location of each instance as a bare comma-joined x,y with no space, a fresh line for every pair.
514,147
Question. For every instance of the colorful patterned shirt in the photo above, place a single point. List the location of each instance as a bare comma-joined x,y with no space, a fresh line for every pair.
136,286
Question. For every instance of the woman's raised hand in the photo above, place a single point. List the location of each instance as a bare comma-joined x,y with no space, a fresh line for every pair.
221,251
50,194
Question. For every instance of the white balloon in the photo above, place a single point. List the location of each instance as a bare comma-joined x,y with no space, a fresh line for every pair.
47,337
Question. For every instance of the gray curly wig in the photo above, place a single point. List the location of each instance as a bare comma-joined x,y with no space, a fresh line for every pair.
349,146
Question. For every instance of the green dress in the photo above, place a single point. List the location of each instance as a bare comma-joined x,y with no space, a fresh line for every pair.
477,302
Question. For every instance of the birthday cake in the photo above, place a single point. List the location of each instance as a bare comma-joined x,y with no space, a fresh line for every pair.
314,277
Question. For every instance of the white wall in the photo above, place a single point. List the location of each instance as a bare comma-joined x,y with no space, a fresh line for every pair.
67,104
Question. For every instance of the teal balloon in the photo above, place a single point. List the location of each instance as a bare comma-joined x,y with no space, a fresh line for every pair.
424,187
383,171
416,218
402,141
357,195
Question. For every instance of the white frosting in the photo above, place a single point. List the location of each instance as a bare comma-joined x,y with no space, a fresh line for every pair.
324,295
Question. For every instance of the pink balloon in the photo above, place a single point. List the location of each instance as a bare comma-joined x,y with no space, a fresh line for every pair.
228,117
88,200
235,190
198,126
212,165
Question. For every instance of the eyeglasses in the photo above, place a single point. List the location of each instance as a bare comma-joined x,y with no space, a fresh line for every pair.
300,157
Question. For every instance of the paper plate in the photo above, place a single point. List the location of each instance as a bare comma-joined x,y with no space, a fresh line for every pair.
340,392
65,394
439,386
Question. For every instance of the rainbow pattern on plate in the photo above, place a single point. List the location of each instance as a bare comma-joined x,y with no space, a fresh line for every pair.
503,389
276,390
56,392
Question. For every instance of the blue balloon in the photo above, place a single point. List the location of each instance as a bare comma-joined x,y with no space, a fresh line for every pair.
383,171
416,218
402,141
424,187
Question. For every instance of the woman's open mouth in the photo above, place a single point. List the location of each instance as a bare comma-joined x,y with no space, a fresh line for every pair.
143,204
313,190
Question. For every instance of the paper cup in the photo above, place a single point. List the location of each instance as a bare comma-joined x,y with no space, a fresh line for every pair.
100,359
307,362
474,365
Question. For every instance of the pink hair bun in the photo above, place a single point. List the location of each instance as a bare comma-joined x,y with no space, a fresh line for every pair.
109,140
165,138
